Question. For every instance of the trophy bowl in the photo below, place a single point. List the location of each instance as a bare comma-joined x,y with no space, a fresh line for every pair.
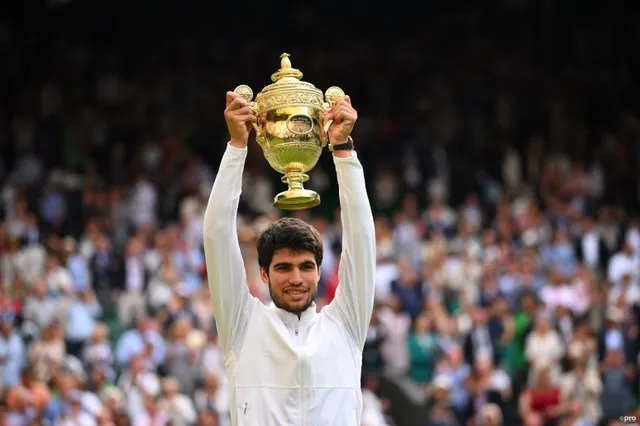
291,130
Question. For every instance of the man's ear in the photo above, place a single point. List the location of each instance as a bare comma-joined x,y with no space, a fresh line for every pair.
264,275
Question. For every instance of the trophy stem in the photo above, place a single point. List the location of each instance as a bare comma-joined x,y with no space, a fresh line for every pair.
296,197
295,179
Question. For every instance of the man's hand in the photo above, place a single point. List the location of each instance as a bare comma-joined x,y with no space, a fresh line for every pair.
239,118
344,117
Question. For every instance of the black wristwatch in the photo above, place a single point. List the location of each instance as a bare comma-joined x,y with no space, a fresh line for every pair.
347,146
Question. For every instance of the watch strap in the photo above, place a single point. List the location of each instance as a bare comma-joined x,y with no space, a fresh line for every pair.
347,146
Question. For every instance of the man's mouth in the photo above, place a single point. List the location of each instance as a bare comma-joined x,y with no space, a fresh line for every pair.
295,293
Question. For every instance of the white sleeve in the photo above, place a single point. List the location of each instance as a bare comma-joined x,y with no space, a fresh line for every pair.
353,302
232,303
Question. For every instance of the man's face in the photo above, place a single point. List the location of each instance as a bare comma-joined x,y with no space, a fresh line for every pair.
293,280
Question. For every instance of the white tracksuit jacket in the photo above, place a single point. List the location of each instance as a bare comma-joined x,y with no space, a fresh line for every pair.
283,370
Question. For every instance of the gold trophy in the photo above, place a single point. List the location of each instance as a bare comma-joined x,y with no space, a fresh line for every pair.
291,129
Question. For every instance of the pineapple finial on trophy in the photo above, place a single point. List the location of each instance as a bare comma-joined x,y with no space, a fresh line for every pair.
286,73
285,62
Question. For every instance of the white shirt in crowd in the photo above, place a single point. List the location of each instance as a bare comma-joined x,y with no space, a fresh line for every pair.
134,275
544,349
143,204
558,295
394,349
631,294
591,249
386,273
79,419
372,413
621,264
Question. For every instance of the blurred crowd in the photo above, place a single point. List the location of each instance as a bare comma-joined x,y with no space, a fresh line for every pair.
503,172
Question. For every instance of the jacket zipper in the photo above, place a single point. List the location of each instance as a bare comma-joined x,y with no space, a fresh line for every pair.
302,382
302,408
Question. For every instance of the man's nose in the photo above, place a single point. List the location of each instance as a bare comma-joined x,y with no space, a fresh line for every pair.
296,276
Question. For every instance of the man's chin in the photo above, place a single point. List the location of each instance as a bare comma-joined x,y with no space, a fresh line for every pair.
296,307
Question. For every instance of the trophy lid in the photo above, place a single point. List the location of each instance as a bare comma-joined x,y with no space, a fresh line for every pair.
288,88
286,73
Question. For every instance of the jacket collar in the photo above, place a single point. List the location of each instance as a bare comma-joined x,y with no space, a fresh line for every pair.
288,317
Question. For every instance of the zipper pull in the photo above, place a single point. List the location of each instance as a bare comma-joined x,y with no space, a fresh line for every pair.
296,332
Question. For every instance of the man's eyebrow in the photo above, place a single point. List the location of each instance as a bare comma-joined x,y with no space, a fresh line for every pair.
303,263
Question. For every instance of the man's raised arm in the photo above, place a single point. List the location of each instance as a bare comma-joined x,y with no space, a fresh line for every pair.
356,290
232,303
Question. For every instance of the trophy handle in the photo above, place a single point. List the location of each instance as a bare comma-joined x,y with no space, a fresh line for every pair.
331,96
246,92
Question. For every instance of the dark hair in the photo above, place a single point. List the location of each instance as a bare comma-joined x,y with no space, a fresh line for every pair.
290,233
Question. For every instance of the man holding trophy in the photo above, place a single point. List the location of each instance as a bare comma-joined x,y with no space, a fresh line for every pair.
288,364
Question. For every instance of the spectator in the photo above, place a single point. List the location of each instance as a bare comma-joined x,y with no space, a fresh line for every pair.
422,350
47,353
372,360
180,361
394,348
131,303
581,389
623,263
480,339
213,398
80,321
542,398
440,411
28,396
407,288
152,414
544,348
12,352
97,352
178,406
133,342
616,385
374,408
40,309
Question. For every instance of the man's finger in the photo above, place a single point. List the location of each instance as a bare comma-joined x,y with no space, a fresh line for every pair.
335,111
251,118
240,111
347,115
339,112
231,96
328,116
237,103
345,100
344,106
348,118
247,118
